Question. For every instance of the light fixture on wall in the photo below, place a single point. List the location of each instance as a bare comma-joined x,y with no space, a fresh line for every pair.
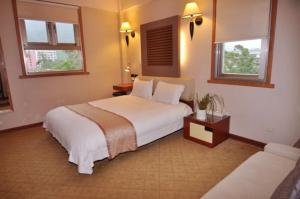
192,12
126,28
127,69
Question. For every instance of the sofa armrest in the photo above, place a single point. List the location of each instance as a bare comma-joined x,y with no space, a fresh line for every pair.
283,150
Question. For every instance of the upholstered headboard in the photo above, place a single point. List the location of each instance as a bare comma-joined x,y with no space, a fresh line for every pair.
189,84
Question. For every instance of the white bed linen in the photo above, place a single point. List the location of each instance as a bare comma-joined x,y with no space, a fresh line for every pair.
85,141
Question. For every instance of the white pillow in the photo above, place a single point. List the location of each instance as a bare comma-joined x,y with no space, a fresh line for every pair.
142,88
168,93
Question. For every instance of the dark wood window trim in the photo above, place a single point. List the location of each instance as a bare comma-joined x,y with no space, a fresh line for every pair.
49,74
240,82
45,46
11,107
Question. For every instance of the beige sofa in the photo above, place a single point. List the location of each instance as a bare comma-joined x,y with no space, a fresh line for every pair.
259,176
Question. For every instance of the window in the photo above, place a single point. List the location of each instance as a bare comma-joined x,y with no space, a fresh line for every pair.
51,40
51,47
36,31
242,47
244,59
65,33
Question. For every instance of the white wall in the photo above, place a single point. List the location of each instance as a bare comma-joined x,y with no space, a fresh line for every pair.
263,114
33,98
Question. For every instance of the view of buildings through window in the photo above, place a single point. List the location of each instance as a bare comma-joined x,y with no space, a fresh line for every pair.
52,60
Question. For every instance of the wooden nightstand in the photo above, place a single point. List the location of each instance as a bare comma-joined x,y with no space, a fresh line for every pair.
122,89
211,132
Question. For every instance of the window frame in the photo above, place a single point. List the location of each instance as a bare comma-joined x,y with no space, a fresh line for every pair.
51,45
243,80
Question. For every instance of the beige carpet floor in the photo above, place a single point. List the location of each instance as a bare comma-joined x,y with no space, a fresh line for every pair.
34,165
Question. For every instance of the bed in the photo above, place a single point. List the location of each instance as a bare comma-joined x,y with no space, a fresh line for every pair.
85,141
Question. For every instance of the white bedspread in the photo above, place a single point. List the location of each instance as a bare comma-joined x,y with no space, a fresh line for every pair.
84,140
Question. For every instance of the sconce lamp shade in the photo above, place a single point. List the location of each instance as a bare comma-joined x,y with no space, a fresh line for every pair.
127,69
125,27
191,10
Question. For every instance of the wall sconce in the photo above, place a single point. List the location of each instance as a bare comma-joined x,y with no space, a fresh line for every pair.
127,69
192,12
126,28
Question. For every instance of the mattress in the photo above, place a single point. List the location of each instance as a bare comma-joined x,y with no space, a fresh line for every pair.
85,141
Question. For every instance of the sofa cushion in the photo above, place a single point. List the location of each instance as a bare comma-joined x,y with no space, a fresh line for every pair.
257,177
283,150
290,186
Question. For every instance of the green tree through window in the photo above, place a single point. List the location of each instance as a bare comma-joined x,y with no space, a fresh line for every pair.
64,61
240,61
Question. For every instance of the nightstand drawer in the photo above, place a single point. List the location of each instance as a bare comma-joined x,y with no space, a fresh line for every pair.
198,131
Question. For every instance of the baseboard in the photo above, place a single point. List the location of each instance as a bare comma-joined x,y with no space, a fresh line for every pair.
247,140
21,127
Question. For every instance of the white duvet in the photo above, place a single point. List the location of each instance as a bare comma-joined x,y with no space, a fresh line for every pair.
85,141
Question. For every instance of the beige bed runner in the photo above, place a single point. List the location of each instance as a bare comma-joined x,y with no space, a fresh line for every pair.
119,132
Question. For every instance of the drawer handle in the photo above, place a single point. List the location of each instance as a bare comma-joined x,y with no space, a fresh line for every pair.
208,129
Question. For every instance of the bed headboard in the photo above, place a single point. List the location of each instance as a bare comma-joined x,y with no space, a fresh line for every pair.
189,86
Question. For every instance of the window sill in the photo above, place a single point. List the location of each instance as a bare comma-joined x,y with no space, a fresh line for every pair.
53,74
241,83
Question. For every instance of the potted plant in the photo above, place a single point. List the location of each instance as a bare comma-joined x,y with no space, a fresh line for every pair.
208,102
202,106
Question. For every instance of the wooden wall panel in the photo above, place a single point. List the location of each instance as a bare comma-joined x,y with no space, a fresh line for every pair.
160,47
